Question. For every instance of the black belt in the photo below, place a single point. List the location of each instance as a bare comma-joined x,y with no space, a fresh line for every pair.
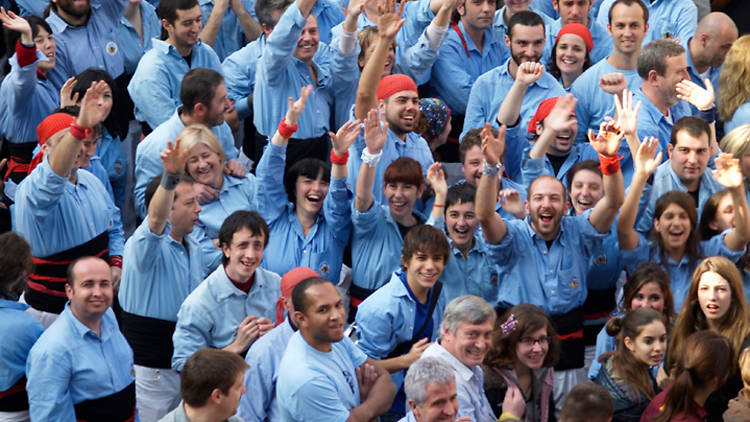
150,339
117,407
569,327
15,398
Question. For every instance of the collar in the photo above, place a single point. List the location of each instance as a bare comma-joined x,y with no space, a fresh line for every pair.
226,289
167,48
462,371
81,330
11,304
59,25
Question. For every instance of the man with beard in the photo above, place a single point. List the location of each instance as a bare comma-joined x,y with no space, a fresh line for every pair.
86,36
526,42
543,259
323,376
155,86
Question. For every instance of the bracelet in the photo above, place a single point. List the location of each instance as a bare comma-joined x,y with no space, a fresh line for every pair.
708,115
115,261
370,159
339,159
285,130
507,416
491,170
609,165
79,132
169,181
438,205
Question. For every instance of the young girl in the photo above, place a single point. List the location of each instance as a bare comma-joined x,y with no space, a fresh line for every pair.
739,408
714,302
570,55
524,350
625,374
647,287
701,370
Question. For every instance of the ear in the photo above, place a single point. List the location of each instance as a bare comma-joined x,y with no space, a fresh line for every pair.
68,291
461,9
526,206
566,207
507,41
216,396
629,344
713,226
670,150
556,4
225,250
301,318
166,25
266,29
381,107
404,261
199,109
420,191
652,75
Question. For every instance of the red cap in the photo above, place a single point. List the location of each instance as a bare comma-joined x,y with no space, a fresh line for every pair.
292,278
52,124
392,84
580,30
544,109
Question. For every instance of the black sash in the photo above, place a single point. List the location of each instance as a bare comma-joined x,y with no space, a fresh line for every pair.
45,288
569,327
599,305
20,157
117,407
404,347
15,398
150,339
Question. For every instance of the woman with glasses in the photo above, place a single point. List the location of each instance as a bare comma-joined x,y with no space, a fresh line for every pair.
524,351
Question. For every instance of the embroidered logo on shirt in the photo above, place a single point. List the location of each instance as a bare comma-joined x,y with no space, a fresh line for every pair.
601,260
494,279
574,283
324,268
111,48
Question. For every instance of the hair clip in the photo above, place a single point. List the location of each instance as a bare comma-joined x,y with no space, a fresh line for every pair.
509,325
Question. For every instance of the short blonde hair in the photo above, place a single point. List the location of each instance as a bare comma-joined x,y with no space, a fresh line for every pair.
737,142
734,79
199,134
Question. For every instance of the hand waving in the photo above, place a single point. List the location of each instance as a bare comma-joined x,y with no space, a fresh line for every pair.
15,23
493,147
345,137
559,118
728,171
67,98
702,99
296,107
607,141
375,136
645,162
627,115
436,179
389,19
172,159
91,113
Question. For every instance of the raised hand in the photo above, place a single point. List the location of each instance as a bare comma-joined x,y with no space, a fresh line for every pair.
375,136
529,72
702,99
345,137
67,99
296,107
728,171
355,7
436,179
13,22
645,162
511,202
493,147
91,113
172,159
607,141
613,83
627,115
389,19
559,118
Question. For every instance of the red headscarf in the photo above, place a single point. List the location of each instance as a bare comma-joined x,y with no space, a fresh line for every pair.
53,124
392,84
288,281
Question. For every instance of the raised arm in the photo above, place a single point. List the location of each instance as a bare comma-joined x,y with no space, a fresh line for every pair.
292,114
627,119
250,26
210,30
607,143
703,100
375,138
340,143
645,165
161,203
510,109
728,173
389,23
436,178
493,225
558,121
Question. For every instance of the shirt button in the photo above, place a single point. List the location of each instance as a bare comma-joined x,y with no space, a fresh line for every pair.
545,252
551,271
553,292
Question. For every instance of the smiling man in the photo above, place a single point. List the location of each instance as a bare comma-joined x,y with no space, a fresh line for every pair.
430,386
236,303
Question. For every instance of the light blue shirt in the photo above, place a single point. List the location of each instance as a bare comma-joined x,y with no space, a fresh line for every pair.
666,19
322,249
328,15
20,331
472,401
501,29
30,7
553,279
280,75
110,151
490,89
54,215
740,117
475,274
155,86
536,167
651,121
148,159
25,100
680,273
376,246
97,169
230,36
315,386
458,66
386,318
259,402
239,74
413,146
131,43
418,16
158,272
544,6
666,180
713,74
71,363
603,45
210,315
95,44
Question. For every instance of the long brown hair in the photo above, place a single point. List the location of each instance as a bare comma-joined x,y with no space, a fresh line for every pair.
634,372
645,273
529,318
736,322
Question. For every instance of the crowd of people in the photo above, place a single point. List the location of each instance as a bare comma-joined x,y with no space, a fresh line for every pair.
332,210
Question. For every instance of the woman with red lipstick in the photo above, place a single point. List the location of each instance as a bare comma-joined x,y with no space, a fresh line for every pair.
714,302
524,351
625,373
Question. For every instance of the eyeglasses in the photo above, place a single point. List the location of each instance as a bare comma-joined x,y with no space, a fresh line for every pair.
531,341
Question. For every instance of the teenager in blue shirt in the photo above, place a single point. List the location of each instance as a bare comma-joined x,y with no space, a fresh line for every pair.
397,322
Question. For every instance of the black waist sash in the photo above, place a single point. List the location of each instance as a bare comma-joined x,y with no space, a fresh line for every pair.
15,398
20,157
117,407
569,327
150,339
359,294
45,288
598,306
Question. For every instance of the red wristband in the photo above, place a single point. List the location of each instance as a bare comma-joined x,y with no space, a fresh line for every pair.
25,55
79,132
339,159
285,130
115,261
609,165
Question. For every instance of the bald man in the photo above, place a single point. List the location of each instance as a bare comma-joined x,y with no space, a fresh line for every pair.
708,47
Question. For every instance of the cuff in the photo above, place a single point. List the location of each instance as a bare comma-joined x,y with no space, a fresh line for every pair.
115,261
24,54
